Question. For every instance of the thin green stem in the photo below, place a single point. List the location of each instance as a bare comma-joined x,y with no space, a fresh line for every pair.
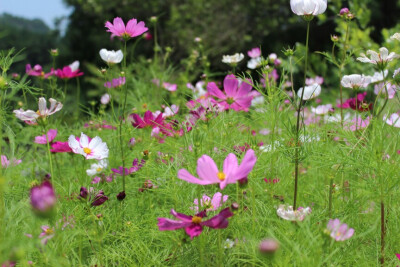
341,71
122,120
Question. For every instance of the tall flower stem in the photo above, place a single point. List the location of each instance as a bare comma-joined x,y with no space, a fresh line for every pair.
383,231
49,154
78,95
387,94
123,119
296,153
341,71
330,197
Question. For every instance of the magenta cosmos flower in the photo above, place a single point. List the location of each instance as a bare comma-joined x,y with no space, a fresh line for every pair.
339,231
149,120
67,73
127,171
132,29
37,71
235,96
194,224
43,197
209,174
46,138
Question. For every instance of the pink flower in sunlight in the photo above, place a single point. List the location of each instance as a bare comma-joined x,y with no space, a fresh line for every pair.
235,96
209,173
210,204
67,73
339,231
357,124
149,120
46,138
193,225
132,29
5,162
37,71
46,234
90,149
254,52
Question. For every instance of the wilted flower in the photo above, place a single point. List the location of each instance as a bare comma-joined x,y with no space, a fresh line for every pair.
43,197
338,231
232,60
393,120
5,162
121,195
308,7
210,204
355,81
118,82
209,173
194,224
132,29
43,112
380,59
111,57
287,213
310,92
99,199
46,138
97,167
95,149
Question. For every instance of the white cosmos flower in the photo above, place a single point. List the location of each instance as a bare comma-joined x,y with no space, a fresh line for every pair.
378,77
43,111
198,90
97,167
105,99
74,66
254,63
95,149
395,36
355,81
308,7
393,120
234,59
378,58
310,92
321,109
111,56
287,213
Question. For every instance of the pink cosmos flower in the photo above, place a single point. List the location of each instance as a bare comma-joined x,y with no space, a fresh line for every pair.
379,89
37,71
254,52
46,234
102,125
46,138
209,173
5,162
118,82
67,73
127,171
60,147
235,96
355,124
194,224
393,120
43,197
210,204
149,120
338,231
168,86
175,129
132,29
359,104
317,79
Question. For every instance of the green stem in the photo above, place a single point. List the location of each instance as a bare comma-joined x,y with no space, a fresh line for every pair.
49,155
330,197
122,119
78,94
386,97
341,70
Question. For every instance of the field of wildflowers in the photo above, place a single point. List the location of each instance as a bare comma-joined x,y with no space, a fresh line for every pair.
234,169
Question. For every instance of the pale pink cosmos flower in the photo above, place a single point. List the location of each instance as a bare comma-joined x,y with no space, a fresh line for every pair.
118,82
210,204
46,138
322,109
95,149
5,162
208,171
105,99
46,234
393,120
339,231
132,29
168,86
254,52
287,213
236,96
317,79
357,124
380,89
43,112
355,81
379,59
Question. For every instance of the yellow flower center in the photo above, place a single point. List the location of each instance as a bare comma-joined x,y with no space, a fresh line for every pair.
99,169
196,219
87,150
221,176
49,231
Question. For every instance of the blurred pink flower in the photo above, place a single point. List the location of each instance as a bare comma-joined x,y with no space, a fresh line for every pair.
43,197
254,52
5,162
37,71
208,204
149,120
67,73
338,231
46,138
118,82
46,234
132,29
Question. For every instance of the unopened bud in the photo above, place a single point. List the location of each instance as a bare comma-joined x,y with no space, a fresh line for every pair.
334,38
269,246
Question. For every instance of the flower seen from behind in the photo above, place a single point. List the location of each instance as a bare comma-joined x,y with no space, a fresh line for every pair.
43,197
287,213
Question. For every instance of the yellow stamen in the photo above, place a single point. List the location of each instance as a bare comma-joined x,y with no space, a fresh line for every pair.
87,150
49,231
196,219
221,176
99,169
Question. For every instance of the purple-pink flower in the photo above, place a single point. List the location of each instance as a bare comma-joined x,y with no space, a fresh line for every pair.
46,138
127,171
114,83
208,171
339,231
254,52
236,95
43,197
5,162
132,29
194,224
149,120
46,234
67,73
37,70
210,204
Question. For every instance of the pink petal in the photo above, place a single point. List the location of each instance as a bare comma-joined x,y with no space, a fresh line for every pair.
247,165
213,90
207,169
194,230
230,166
186,176
181,216
219,221
165,224
231,85
119,26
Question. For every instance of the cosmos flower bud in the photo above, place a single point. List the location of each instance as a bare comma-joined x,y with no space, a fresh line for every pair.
54,52
334,38
84,192
269,246
121,196
344,11
99,199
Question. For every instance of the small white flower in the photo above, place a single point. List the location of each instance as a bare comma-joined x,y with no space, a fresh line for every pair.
43,112
105,99
234,59
336,118
95,149
321,109
395,36
287,213
378,77
97,167
258,100
308,7
229,243
355,81
74,66
378,58
269,148
393,120
254,63
310,92
111,57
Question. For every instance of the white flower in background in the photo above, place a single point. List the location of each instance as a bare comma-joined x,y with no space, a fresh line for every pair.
74,66
258,100
336,118
229,243
309,138
395,36
105,99
234,59
287,213
95,149
355,81
254,63
393,120
43,112
97,167
198,90
308,7
378,77
170,111
111,57
321,109
271,147
310,92
380,58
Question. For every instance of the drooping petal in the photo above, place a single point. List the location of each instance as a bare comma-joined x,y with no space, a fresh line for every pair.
181,216
219,221
42,106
